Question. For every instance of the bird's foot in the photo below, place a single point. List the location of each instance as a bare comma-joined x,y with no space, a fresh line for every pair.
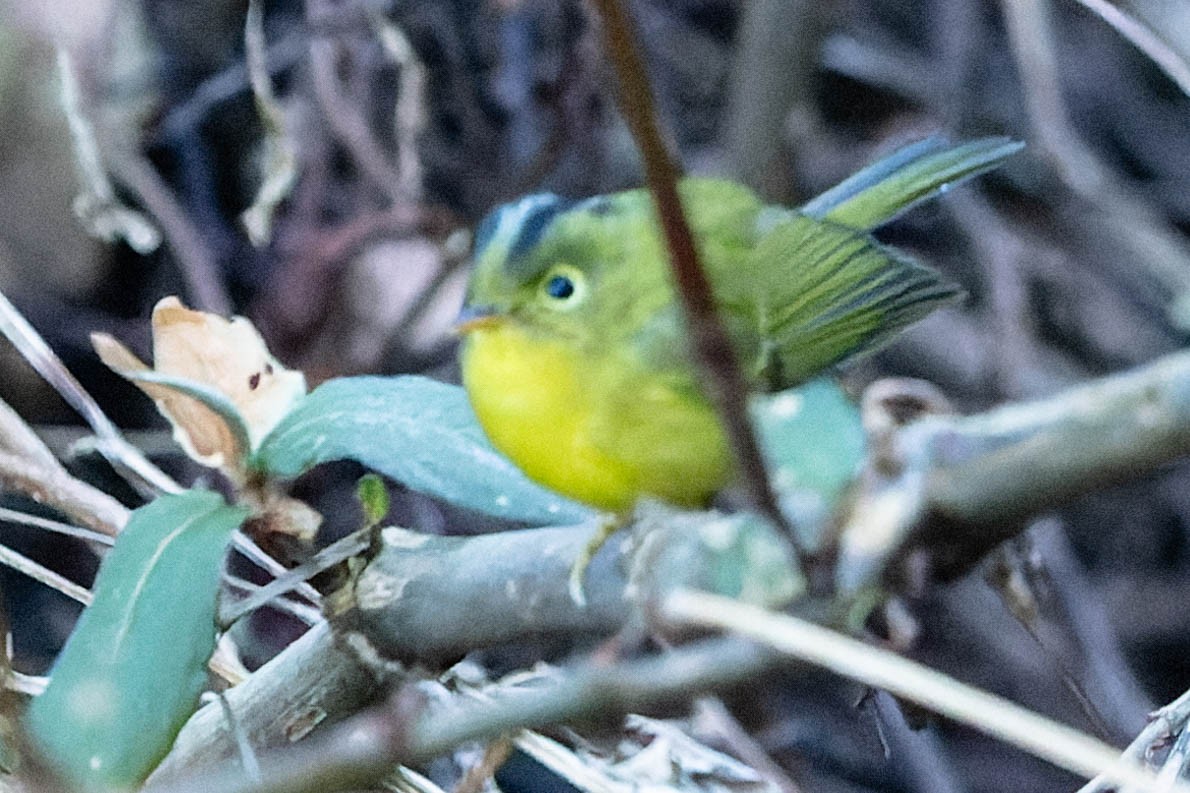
609,525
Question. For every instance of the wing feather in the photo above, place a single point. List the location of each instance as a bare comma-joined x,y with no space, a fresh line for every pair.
827,293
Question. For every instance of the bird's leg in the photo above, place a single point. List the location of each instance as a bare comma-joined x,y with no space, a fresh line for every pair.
608,525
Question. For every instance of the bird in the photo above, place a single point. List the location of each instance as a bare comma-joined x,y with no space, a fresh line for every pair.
575,354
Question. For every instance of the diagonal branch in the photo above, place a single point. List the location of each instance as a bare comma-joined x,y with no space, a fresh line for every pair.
721,376
1057,743
1144,39
54,487
406,730
957,486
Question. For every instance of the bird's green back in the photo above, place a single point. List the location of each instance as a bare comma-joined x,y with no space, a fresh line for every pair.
798,290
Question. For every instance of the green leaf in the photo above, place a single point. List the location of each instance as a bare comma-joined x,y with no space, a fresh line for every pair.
417,431
373,497
813,442
132,671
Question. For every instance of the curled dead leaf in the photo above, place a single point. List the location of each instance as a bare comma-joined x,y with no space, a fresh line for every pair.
213,378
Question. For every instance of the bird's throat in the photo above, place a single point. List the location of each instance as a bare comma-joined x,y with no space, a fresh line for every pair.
529,395
590,429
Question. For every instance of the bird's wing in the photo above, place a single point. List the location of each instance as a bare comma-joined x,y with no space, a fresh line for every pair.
906,177
824,292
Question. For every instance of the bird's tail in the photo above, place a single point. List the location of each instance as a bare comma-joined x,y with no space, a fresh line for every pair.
905,178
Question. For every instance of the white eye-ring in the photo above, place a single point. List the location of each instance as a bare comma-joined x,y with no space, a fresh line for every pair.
564,287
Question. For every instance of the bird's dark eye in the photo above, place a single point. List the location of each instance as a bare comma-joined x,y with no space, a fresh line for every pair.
563,288
559,287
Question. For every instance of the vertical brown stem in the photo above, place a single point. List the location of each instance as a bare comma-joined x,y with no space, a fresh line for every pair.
721,377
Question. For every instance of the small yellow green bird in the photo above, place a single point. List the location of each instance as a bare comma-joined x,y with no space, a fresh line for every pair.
575,353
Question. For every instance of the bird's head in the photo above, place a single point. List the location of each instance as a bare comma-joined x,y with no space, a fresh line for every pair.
556,266
529,267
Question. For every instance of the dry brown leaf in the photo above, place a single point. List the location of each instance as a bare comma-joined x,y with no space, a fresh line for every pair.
227,356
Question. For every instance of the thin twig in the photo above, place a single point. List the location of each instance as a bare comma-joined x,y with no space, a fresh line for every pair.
328,557
1003,253
1056,743
448,270
278,160
18,438
1007,579
713,712
1175,764
712,347
565,763
54,487
560,759
923,754
406,780
300,611
181,120
1031,38
255,554
25,519
347,123
244,748
1114,685
1166,722
44,575
1125,216
256,62
124,457
196,260
410,111
1143,39
30,685
44,360
774,76
476,777
97,206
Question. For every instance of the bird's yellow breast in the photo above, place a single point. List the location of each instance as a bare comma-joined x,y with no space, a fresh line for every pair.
594,430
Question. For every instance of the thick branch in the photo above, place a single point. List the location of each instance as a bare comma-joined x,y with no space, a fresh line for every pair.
955,487
27,465
503,589
312,682
512,588
1007,464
